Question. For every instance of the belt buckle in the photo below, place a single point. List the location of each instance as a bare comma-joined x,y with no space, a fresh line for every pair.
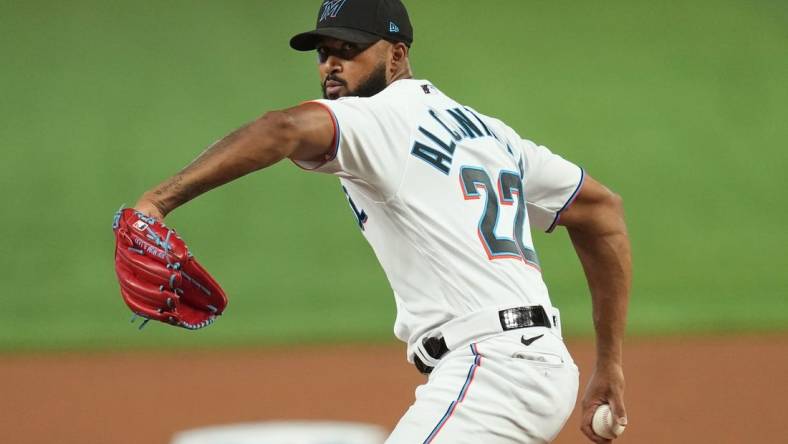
523,317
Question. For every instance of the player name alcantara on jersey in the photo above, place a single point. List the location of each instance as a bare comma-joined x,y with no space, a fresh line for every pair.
453,125
446,197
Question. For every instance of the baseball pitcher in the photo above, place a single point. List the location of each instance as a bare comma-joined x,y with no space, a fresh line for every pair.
447,197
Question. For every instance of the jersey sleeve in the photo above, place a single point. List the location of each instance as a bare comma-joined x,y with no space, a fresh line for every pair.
364,143
551,183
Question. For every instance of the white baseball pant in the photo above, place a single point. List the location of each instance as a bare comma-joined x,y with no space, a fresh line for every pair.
495,391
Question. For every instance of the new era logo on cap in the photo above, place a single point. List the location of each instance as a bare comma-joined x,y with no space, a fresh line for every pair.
331,8
393,27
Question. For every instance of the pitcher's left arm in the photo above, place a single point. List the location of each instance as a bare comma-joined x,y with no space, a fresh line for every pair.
304,132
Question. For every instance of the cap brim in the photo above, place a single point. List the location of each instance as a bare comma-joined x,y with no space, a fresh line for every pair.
307,41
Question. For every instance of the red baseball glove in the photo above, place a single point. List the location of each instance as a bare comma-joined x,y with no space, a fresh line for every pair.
159,278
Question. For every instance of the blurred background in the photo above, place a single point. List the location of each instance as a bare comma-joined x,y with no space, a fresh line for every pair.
681,107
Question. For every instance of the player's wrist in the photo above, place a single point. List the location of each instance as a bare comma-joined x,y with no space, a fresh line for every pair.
150,208
609,351
609,365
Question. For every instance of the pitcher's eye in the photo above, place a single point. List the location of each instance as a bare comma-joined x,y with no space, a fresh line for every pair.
322,55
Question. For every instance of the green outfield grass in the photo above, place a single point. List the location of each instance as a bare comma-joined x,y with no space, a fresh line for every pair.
680,107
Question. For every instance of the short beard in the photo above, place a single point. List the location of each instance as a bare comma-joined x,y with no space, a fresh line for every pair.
373,84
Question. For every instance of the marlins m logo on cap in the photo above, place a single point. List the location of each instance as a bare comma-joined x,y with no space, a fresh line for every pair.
331,8
363,22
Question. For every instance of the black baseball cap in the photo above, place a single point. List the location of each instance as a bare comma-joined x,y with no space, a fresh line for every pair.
358,21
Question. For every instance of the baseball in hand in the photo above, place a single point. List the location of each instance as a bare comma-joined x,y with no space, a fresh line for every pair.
604,424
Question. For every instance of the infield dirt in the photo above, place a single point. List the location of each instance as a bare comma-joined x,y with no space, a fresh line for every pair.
716,390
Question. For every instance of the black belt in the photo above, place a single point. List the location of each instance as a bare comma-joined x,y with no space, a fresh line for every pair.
511,319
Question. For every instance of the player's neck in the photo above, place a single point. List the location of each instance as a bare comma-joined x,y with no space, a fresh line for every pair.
403,74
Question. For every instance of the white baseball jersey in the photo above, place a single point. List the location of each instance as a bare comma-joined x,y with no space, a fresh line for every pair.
446,197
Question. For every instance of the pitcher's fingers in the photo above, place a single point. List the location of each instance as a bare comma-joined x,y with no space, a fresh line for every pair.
618,409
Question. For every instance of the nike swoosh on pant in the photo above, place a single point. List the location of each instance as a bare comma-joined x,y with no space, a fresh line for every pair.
530,341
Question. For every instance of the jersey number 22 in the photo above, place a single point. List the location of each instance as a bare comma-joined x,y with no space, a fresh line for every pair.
510,184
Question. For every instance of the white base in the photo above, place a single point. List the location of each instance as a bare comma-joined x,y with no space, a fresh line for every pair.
285,432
